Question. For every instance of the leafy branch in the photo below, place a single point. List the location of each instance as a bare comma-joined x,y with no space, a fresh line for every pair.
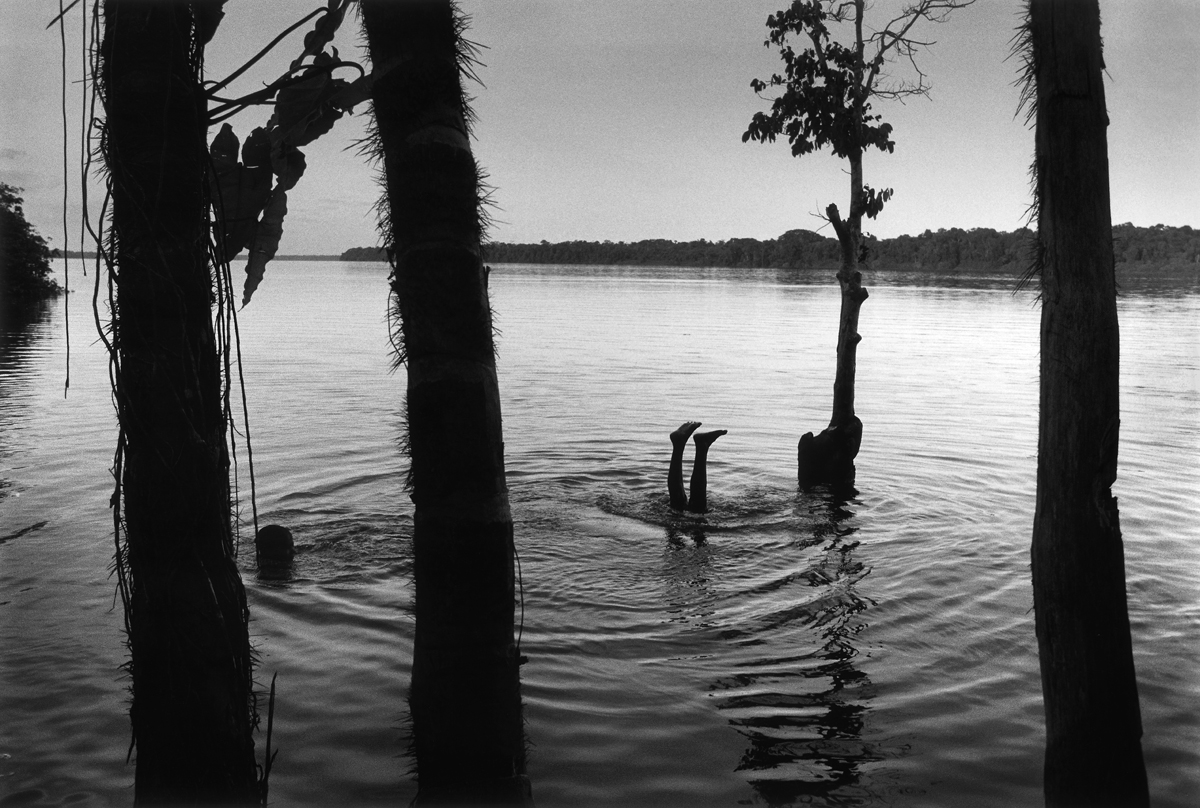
251,193
824,94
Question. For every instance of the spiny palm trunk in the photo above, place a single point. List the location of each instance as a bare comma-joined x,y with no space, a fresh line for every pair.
192,710
465,698
1093,723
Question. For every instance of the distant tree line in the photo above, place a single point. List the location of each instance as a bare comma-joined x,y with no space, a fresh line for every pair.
955,248
364,254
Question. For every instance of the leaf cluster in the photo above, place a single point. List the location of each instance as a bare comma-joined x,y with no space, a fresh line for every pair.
873,201
250,196
824,90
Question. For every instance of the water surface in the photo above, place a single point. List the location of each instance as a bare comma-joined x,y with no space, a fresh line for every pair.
876,649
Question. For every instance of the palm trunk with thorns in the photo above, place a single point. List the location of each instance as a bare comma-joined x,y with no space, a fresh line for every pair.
1093,722
465,698
186,614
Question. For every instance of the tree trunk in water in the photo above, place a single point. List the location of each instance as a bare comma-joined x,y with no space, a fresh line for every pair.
829,456
465,698
1093,724
192,710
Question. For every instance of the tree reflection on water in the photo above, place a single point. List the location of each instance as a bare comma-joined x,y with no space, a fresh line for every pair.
23,332
804,714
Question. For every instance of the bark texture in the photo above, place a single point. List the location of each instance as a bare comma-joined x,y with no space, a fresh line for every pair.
192,711
1093,751
829,456
465,698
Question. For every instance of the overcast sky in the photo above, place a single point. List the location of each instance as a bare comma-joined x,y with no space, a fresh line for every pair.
622,120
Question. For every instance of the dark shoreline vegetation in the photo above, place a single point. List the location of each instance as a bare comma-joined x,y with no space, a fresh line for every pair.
90,255
24,256
976,249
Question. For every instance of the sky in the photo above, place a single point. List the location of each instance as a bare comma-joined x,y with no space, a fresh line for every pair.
622,120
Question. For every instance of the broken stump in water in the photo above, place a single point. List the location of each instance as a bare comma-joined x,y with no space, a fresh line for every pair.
829,456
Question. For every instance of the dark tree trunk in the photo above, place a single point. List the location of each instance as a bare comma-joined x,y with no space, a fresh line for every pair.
465,699
192,710
829,456
1093,724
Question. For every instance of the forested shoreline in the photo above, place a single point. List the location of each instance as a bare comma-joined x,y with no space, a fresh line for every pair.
975,249
25,256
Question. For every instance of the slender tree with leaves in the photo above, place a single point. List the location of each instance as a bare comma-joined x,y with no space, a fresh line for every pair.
190,664
465,697
824,98
1093,721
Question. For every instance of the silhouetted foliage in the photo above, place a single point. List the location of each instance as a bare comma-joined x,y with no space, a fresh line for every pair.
980,248
307,102
1158,245
24,254
364,254
977,249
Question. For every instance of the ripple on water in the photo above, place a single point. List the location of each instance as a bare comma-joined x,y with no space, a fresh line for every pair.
780,649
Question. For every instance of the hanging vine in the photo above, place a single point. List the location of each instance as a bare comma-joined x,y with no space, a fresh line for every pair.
246,186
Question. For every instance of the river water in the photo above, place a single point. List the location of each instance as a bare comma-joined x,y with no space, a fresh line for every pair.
785,648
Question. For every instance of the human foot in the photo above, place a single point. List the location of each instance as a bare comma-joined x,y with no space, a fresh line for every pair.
698,499
679,436
705,439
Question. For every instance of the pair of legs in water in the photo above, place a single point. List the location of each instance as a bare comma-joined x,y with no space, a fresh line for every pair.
698,501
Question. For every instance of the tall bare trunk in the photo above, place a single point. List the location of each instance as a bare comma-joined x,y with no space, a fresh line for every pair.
192,710
849,233
829,456
1093,723
465,698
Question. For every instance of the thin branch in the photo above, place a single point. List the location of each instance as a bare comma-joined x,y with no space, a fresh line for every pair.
840,14
905,46
234,75
819,50
232,107
839,227
61,14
